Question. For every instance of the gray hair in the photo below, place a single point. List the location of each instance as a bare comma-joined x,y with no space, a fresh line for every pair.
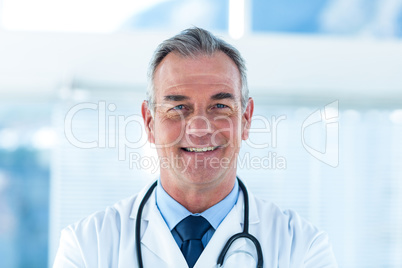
193,42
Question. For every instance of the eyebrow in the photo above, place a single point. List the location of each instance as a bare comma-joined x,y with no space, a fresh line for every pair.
175,98
222,95
218,96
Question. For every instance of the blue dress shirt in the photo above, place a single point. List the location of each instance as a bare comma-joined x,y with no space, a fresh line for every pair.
173,212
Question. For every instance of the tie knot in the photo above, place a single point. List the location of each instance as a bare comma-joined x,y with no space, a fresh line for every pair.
192,227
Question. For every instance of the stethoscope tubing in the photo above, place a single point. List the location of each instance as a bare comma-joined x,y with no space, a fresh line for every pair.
244,234
138,224
221,258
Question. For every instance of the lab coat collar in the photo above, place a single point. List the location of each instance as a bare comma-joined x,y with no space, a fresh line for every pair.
253,217
138,199
155,234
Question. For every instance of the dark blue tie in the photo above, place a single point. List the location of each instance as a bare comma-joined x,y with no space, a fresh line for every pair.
191,230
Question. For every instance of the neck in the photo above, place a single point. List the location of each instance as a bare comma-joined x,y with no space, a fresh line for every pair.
198,198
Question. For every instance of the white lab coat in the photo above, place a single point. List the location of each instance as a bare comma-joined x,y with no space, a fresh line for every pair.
107,239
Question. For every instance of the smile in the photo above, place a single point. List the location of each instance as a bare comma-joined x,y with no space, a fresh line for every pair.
205,149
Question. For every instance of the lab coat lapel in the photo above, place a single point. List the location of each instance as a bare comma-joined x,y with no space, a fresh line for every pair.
158,244
232,224
159,240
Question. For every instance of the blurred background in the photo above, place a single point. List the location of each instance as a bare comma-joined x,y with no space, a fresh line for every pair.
73,76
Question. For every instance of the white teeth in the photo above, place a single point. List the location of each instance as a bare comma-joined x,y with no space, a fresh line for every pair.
205,149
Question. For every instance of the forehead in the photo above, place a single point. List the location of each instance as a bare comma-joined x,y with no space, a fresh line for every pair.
179,73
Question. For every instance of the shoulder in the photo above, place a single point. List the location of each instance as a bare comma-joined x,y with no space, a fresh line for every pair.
287,220
93,239
293,237
112,216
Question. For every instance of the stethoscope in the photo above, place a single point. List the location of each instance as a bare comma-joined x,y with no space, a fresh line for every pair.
244,234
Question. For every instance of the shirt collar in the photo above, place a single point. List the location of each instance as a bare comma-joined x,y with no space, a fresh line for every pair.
173,212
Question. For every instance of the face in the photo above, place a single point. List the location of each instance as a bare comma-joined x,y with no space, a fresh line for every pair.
198,123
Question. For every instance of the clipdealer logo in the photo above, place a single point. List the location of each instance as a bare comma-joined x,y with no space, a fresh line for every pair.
328,116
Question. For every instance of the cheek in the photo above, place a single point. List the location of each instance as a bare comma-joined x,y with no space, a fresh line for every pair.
229,128
168,132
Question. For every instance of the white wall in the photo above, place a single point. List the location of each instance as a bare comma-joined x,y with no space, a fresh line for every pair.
36,64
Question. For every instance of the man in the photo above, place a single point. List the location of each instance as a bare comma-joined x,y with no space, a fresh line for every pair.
197,114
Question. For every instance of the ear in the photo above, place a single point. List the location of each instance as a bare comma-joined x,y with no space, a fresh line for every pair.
246,119
148,122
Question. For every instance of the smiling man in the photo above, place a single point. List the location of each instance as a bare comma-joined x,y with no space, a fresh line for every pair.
197,114
198,124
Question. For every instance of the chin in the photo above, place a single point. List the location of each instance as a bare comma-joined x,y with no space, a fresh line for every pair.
203,175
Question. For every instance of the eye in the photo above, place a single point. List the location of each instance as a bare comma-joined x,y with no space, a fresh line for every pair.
220,106
178,107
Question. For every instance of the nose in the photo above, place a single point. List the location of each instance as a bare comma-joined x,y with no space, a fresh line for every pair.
199,126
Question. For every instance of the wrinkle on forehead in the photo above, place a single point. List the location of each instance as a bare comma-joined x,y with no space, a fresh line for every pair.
176,71
176,85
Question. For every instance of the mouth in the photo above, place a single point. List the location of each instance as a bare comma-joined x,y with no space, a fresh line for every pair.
200,150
